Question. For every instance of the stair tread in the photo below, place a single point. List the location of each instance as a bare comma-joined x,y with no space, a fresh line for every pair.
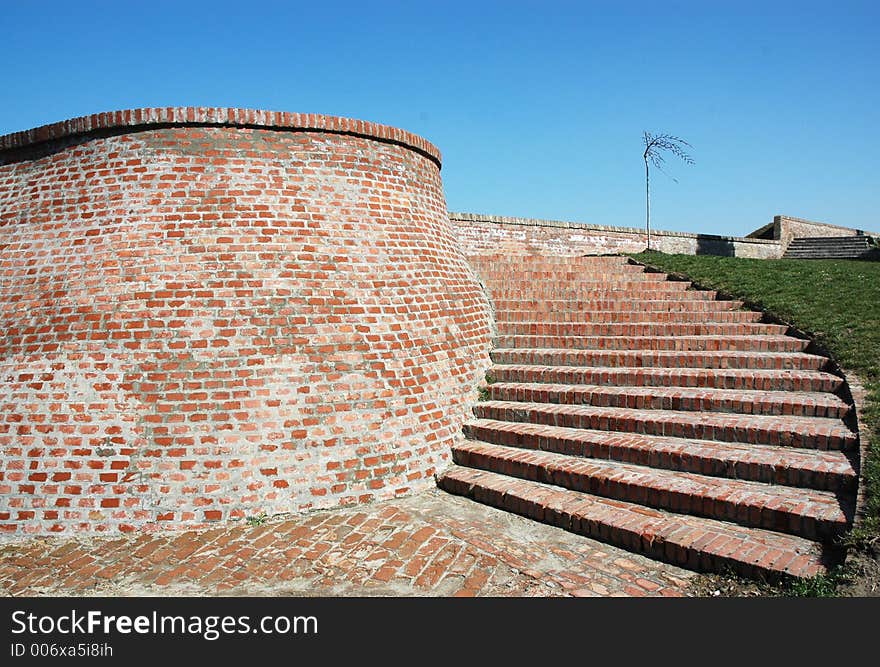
729,453
715,359
676,537
776,337
758,372
536,328
816,504
597,342
663,353
813,398
648,315
602,304
716,378
769,422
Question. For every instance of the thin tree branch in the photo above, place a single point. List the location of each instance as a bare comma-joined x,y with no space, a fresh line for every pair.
655,145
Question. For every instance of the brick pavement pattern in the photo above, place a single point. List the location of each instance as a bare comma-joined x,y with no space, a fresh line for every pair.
429,544
634,409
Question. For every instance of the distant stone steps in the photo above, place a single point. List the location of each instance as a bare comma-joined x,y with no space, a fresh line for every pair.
831,247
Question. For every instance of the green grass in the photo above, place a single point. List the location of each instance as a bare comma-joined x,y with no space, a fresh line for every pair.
837,302
258,520
820,586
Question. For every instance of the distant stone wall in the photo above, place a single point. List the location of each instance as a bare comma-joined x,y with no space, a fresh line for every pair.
489,235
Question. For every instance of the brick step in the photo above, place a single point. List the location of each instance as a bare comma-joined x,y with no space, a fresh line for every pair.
809,513
710,378
660,358
587,285
776,430
681,343
815,469
613,287
573,278
630,317
788,403
689,541
514,259
518,262
541,306
559,271
537,328
651,293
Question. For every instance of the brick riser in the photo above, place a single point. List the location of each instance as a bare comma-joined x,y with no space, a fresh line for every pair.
696,543
643,292
806,513
645,413
822,470
604,303
780,431
537,328
625,316
660,359
795,404
664,343
707,378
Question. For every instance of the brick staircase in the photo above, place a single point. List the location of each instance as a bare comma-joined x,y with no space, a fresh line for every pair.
653,416
831,247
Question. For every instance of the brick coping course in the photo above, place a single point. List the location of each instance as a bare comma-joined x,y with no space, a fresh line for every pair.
144,118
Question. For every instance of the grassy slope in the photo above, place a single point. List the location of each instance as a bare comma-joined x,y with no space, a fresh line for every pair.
836,301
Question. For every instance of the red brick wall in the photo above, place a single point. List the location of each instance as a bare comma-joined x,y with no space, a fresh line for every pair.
218,313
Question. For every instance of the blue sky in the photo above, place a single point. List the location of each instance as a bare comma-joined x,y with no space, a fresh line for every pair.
537,107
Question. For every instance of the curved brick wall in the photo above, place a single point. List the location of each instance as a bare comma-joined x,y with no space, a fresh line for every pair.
213,313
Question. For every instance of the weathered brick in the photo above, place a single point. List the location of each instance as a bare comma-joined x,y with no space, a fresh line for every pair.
204,294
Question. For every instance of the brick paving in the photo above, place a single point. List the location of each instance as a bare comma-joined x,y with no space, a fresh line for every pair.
429,544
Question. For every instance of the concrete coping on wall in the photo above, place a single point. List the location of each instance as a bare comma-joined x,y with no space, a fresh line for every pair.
140,119
533,222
